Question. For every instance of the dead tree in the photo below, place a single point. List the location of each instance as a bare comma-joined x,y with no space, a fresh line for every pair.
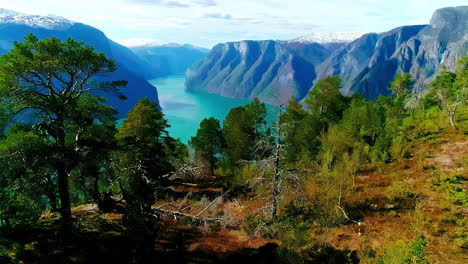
277,156
179,211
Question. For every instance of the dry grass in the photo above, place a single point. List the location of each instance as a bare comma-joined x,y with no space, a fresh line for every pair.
435,214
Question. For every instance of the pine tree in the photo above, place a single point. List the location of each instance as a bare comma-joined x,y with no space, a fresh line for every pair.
209,141
51,79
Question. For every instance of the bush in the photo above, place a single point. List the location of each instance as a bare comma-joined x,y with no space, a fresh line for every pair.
18,209
402,252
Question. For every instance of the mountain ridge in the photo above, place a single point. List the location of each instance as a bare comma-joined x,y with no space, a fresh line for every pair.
367,65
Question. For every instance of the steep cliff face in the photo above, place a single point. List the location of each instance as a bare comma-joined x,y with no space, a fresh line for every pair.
269,70
275,71
370,63
14,26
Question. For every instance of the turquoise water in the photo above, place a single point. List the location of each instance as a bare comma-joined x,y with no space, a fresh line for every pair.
185,110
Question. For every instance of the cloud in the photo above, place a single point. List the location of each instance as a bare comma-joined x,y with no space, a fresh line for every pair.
204,3
171,22
217,16
225,16
177,3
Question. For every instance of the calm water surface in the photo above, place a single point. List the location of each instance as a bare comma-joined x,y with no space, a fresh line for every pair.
184,110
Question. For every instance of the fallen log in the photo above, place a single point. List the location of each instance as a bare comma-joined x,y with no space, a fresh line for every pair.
178,213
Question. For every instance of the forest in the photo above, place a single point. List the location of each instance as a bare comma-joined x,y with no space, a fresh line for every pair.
332,179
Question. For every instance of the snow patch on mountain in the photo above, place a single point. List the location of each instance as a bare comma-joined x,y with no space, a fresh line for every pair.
329,37
37,21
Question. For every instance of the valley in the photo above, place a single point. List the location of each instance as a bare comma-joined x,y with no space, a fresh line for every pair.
266,141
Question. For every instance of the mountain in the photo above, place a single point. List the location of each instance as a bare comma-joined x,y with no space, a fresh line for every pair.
250,69
169,59
370,63
275,70
14,26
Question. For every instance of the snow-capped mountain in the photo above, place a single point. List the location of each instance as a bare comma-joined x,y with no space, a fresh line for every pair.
36,21
329,37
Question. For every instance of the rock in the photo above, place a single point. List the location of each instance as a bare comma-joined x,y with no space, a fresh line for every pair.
273,71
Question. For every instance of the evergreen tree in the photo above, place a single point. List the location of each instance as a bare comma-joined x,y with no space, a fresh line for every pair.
401,86
26,178
244,130
143,159
256,114
326,100
209,141
301,132
50,78
236,134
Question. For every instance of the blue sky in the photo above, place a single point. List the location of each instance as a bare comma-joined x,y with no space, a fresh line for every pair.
208,22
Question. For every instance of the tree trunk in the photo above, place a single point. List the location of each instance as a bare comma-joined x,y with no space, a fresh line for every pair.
51,194
452,121
277,180
62,175
65,205
276,185
96,184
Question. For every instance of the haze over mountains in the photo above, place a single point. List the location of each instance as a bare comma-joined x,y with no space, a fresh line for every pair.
169,59
274,71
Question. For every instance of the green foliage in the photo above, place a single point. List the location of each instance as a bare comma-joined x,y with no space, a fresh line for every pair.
326,100
301,130
401,86
56,82
237,134
24,177
4,117
209,140
245,133
63,69
453,185
256,114
402,252
450,90
396,190
144,157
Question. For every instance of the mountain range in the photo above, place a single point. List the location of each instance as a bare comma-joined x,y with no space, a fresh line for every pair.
273,71
270,70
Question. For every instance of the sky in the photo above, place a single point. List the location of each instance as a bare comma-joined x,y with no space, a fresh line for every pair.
207,22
